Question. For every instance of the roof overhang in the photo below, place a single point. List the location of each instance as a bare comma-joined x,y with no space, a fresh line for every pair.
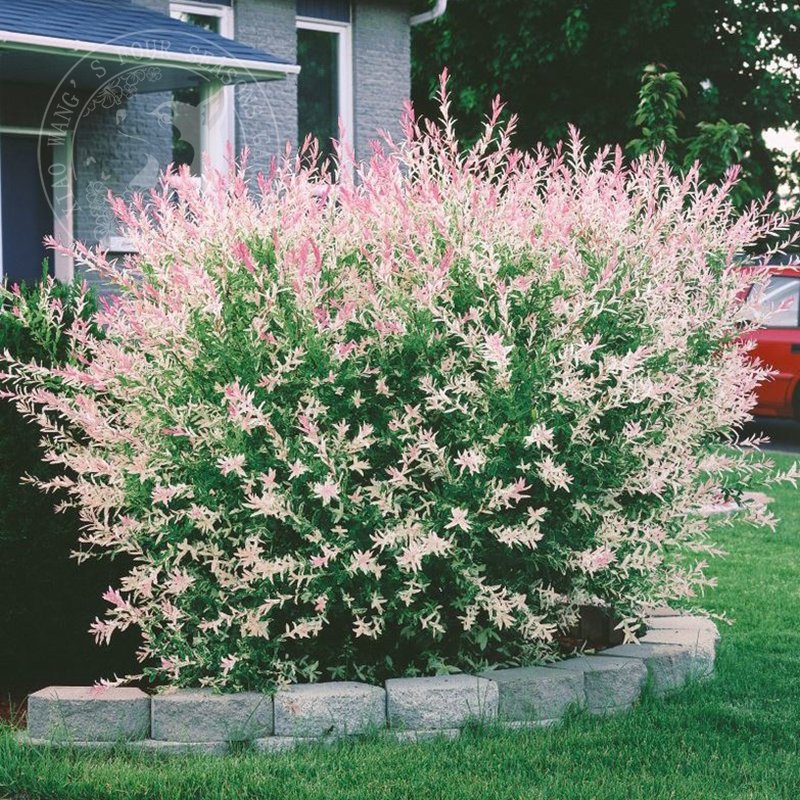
31,58
84,44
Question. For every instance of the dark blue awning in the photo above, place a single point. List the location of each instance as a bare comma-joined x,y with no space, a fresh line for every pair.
41,40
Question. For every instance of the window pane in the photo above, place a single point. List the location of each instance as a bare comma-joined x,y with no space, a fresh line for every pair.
780,300
205,21
318,86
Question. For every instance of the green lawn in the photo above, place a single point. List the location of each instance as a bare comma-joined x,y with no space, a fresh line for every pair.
735,737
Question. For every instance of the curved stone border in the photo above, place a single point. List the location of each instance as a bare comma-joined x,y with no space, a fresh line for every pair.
675,649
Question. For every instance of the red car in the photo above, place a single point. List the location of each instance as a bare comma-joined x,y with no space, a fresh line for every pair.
778,343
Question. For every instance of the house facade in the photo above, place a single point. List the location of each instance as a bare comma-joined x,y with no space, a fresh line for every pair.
98,96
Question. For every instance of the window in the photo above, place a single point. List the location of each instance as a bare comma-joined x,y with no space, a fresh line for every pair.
325,83
778,304
202,116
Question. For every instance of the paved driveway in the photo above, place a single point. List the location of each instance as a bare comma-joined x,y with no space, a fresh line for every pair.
784,433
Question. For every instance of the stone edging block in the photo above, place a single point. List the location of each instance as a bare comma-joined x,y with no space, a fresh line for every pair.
142,745
425,735
536,693
324,709
199,715
702,646
669,665
675,623
177,748
84,713
609,684
443,701
275,744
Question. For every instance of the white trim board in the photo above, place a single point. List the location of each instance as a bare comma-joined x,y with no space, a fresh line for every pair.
63,190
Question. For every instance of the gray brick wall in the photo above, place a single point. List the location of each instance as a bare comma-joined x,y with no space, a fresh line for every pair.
382,68
121,143
121,149
266,113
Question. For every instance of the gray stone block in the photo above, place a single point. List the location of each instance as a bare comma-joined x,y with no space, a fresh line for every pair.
422,736
277,744
87,714
669,665
660,611
179,748
702,644
443,701
608,683
536,693
324,709
683,623
199,715
527,724
25,740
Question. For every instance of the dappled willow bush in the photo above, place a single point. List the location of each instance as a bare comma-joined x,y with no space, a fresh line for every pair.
408,421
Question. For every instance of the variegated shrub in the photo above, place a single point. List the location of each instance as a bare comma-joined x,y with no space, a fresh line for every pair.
407,421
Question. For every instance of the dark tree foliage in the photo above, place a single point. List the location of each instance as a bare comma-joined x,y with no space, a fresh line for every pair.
47,601
713,146
562,61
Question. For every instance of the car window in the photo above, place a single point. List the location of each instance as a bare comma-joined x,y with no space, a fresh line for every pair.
777,303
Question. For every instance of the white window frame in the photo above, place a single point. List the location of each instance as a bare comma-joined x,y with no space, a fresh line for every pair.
217,101
223,12
344,66
62,201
